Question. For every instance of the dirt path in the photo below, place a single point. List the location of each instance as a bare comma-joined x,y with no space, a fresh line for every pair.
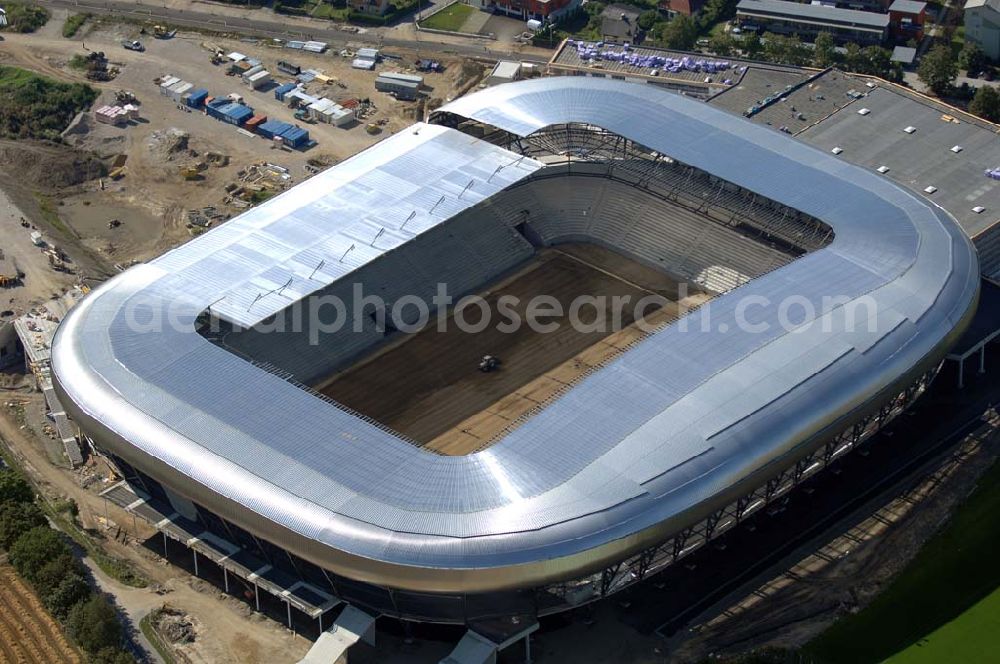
27,632
40,281
232,633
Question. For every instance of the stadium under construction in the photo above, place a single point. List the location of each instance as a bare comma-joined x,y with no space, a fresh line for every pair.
352,479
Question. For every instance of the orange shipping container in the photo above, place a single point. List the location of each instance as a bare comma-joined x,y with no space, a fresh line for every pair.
256,120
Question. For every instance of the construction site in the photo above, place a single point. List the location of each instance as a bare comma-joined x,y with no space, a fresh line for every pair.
190,130
454,410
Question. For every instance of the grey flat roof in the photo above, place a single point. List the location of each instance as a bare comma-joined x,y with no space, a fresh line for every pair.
923,158
638,449
907,6
818,13
568,56
904,54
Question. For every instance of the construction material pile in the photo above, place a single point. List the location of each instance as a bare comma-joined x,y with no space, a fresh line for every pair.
592,52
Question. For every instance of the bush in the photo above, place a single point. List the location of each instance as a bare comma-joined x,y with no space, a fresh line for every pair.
972,58
14,488
34,550
51,574
73,24
938,69
24,17
70,592
16,519
986,103
111,656
32,106
94,625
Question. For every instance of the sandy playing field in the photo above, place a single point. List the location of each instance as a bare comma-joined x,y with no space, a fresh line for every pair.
428,386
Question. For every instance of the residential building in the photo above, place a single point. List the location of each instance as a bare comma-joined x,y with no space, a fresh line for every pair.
376,7
674,8
906,19
528,9
620,23
807,21
982,26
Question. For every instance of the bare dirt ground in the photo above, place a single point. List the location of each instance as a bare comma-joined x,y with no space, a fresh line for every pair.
152,198
237,635
40,281
428,386
28,634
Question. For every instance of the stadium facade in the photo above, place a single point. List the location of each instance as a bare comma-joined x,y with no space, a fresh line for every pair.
640,462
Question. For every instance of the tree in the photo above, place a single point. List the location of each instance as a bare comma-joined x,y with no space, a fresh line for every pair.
986,103
111,656
680,33
751,44
647,19
51,574
785,50
14,488
972,58
824,53
34,549
877,61
722,43
17,519
938,69
94,625
72,590
715,11
854,58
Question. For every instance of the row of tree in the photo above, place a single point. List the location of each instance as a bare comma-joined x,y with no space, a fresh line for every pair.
44,559
939,68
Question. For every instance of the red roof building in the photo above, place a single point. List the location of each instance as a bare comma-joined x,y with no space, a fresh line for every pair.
528,9
906,19
686,7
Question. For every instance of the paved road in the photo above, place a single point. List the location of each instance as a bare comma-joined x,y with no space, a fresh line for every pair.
271,27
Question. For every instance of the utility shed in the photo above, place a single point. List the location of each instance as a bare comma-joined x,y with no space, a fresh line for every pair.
403,86
259,79
504,71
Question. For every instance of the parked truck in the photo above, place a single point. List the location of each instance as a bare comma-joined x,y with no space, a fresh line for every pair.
133,45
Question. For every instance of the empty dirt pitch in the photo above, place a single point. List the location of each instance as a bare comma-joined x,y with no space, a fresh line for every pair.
427,385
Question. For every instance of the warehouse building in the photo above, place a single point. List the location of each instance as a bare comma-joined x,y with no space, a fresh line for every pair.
807,21
402,86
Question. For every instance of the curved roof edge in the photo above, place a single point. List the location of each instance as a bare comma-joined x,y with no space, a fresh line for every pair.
348,496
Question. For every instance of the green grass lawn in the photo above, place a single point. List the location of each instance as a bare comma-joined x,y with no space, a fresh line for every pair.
328,11
958,40
451,19
971,638
943,607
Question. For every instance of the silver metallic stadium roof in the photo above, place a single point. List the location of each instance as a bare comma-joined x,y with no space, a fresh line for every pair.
330,225
639,448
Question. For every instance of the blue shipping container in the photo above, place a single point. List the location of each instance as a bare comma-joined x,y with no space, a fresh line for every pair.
236,114
282,90
295,137
273,128
197,98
